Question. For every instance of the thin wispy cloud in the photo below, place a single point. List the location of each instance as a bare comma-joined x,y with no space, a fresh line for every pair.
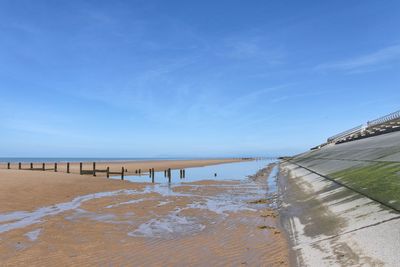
254,47
365,63
241,49
253,97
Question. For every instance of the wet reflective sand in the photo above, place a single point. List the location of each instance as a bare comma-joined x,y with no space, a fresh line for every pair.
206,223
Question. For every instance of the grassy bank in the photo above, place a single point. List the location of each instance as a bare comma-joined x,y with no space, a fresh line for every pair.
378,180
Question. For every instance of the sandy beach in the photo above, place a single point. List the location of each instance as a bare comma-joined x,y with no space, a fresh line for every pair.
49,218
130,166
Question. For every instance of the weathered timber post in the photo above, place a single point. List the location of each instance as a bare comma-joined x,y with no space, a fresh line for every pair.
55,167
169,175
67,167
80,168
43,166
183,173
31,165
94,168
180,174
165,173
19,165
150,173
122,173
8,165
135,171
108,172
140,171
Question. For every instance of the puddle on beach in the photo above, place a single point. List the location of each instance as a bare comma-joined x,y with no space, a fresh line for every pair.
33,235
171,226
219,199
272,179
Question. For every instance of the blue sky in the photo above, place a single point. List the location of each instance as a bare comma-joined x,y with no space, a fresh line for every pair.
192,78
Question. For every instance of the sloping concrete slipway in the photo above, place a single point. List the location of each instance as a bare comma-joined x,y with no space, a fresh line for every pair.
341,203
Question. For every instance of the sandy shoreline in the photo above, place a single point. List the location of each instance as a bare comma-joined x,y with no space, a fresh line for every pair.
40,188
130,166
69,219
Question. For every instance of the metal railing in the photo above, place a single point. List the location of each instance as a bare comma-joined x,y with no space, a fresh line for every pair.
384,119
363,127
346,133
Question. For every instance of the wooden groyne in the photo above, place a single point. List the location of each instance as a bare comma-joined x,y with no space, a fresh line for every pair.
93,171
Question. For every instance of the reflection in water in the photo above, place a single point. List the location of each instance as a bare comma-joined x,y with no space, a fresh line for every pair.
33,235
272,179
171,226
224,172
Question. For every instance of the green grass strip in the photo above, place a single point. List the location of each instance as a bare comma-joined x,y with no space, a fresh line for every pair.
378,180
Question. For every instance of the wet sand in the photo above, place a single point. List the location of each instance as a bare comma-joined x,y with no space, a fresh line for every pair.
49,218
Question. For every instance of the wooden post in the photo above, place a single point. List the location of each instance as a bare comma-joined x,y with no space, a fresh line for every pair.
55,167
183,173
165,173
94,168
135,171
31,165
19,165
150,173
43,166
108,172
122,173
169,175
8,165
180,173
140,171
67,167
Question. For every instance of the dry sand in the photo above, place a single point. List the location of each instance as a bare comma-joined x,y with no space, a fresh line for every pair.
49,219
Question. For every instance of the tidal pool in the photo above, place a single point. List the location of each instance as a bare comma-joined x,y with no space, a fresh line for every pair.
221,172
